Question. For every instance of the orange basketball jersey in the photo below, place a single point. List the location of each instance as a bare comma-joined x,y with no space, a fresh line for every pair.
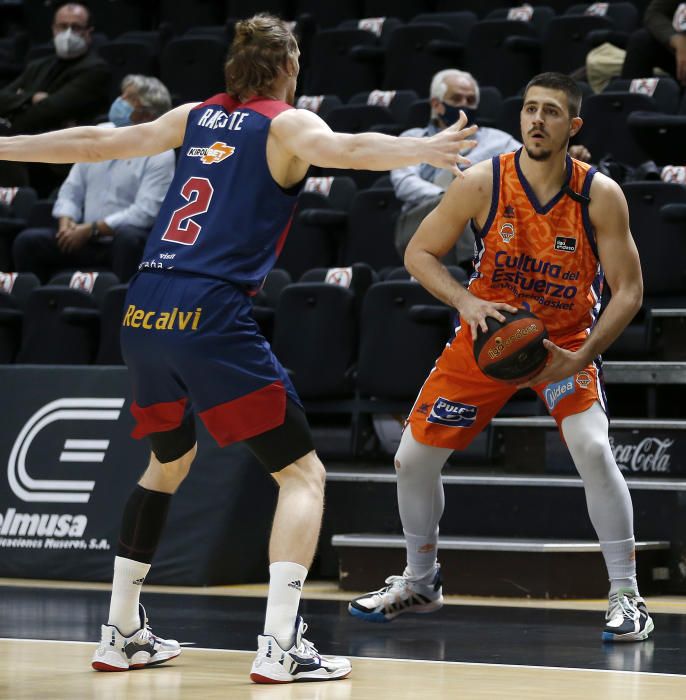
540,257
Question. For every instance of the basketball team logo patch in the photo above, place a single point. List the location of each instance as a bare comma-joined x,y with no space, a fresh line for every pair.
583,379
215,153
507,232
452,413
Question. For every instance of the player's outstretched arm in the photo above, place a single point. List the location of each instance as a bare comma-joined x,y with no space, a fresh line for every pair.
89,144
308,138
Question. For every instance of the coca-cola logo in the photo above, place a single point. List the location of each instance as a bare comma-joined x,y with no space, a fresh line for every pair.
650,455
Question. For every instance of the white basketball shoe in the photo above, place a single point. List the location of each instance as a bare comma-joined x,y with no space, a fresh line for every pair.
302,662
140,649
627,618
402,594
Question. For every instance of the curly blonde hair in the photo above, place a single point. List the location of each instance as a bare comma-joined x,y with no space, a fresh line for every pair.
261,47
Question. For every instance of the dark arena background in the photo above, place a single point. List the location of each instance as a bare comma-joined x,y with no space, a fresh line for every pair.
524,578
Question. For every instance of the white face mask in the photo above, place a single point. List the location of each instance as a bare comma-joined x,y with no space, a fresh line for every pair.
69,44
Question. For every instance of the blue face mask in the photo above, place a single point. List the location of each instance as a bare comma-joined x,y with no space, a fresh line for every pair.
120,112
452,114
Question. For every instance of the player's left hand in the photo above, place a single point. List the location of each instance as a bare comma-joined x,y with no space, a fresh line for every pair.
73,238
561,364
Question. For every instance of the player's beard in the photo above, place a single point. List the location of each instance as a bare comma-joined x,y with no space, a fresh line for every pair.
545,154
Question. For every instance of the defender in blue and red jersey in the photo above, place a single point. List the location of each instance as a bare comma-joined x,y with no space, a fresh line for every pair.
188,336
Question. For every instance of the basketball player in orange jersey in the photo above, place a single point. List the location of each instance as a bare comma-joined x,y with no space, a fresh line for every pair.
244,155
547,227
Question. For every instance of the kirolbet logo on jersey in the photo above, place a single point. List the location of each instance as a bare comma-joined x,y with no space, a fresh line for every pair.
215,153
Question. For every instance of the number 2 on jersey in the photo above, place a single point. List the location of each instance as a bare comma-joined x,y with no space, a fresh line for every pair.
197,191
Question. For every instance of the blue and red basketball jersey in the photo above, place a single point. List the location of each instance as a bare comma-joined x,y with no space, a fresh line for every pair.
224,215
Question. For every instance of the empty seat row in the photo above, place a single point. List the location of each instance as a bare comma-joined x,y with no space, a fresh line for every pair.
394,56
73,320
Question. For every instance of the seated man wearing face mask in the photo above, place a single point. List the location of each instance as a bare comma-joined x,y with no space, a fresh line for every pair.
421,187
65,88
105,210
70,86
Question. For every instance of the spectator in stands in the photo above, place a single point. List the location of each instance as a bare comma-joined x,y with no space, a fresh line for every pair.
421,187
105,210
661,44
70,86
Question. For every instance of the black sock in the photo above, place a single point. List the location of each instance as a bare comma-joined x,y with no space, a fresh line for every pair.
144,517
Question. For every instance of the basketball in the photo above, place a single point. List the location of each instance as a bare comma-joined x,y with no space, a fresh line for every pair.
511,351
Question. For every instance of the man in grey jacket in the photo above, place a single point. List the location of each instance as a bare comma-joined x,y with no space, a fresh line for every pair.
421,187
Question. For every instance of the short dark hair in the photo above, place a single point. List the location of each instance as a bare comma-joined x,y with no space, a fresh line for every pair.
561,82
82,3
261,47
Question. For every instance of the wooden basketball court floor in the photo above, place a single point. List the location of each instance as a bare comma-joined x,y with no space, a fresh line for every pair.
473,648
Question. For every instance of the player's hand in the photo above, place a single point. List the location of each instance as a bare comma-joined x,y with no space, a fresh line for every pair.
73,238
561,364
444,149
474,311
580,152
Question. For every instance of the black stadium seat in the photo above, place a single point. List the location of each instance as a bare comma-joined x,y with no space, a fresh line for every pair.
192,68
318,225
61,322
370,231
334,67
307,314
15,289
488,52
415,52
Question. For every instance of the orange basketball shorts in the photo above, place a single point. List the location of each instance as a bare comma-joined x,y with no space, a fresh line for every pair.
457,401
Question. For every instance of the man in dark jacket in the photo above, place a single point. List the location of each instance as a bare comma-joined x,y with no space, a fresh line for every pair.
661,44
68,87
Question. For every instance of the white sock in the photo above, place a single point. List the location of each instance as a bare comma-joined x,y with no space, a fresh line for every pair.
421,554
286,580
620,559
129,576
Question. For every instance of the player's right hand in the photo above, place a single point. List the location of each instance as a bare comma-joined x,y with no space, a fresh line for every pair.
474,311
445,147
